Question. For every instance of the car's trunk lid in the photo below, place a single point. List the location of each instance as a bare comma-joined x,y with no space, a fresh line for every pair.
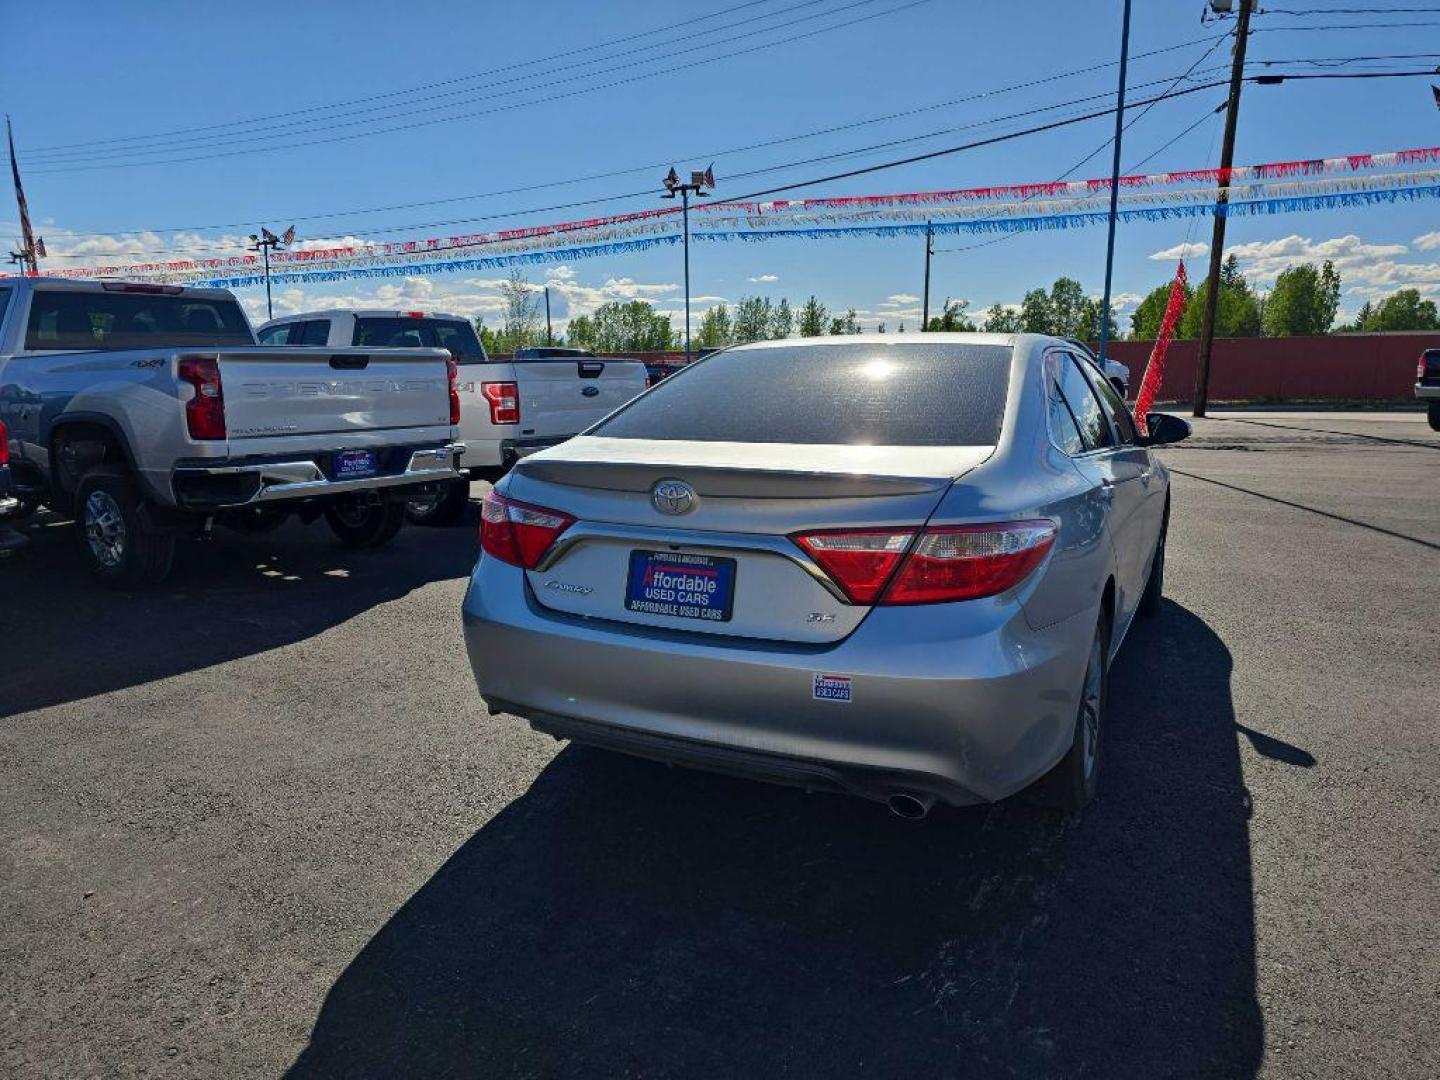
732,543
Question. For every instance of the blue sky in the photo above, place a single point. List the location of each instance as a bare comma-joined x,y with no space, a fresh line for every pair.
76,72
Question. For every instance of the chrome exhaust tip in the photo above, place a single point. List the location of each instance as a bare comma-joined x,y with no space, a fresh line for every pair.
910,807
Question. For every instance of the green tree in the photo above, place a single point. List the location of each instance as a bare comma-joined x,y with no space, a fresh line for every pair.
1304,301
852,323
522,313
837,325
813,318
1036,316
954,318
1146,318
488,338
1001,320
715,330
1071,314
1404,310
1089,324
902,329
880,329
1237,308
616,327
782,320
753,315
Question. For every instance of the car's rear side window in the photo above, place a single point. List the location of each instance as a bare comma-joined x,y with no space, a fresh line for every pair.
879,394
1084,405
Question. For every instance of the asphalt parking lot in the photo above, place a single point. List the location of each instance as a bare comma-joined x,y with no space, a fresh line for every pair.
258,821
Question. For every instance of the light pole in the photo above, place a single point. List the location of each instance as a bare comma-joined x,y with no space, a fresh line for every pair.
699,181
1115,182
263,243
929,251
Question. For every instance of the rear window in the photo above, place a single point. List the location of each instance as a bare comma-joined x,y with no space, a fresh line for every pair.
552,352
403,333
882,395
114,320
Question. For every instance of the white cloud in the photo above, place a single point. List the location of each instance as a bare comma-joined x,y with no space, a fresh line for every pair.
899,298
1182,251
1264,260
1427,242
764,279
1124,301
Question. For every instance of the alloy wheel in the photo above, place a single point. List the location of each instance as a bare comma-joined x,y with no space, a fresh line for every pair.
105,529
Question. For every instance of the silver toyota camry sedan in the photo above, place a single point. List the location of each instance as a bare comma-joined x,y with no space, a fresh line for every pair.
892,566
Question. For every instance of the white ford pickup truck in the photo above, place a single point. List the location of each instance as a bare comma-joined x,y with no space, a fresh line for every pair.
508,408
147,411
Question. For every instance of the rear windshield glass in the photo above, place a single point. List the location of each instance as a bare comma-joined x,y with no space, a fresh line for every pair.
405,333
870,394
544,352
114,320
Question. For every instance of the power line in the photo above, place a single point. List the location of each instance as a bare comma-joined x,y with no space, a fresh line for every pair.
408,108
872,148
410,126
709,154
549,58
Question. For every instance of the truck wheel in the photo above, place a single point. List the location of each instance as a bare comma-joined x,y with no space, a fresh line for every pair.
123,548
1434,415
445,505
361,523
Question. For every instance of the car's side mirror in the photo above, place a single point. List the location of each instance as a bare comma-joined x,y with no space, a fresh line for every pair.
1163,428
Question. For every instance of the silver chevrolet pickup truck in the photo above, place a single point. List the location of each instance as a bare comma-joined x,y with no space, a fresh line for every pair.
147,412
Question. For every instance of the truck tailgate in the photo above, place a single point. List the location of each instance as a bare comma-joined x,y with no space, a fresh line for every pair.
563,397
325,391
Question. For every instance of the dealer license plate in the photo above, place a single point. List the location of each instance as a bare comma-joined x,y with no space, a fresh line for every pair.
681,585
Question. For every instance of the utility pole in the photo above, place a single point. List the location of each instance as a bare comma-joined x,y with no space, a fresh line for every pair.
549,338
1217,240
263,243
929,251
1115,182
698,182
30,246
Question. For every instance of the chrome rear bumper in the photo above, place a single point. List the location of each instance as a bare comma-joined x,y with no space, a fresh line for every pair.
252,483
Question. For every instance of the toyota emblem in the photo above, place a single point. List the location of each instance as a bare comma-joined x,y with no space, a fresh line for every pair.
591,391
673,497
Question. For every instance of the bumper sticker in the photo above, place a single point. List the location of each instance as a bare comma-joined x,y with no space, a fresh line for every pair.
831,687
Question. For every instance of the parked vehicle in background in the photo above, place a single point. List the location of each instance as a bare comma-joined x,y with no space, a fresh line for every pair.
1427,385
898,567
10,540
508,408
1116,372
147,411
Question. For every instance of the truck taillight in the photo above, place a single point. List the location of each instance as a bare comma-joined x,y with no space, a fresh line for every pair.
205,412
944,564
4,444
1420,369
504,399
452,369
518,533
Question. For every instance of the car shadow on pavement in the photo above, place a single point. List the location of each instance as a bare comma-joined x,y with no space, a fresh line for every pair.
622,918
68,637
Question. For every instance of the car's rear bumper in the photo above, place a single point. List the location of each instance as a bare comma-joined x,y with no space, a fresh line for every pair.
512,450
211,486
1427,391
967,705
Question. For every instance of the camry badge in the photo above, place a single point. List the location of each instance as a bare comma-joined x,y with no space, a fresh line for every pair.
673,497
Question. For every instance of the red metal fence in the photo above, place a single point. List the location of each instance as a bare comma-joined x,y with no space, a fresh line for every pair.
1337,367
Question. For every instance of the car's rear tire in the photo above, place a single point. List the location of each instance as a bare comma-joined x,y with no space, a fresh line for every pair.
1433,413
119,542
1070,785
1155,586
364,523
445,506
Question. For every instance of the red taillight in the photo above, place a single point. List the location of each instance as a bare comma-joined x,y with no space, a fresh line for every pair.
945,564
518,533
415,314
504,399
452,371
4,444
205,412
1420,369
860,561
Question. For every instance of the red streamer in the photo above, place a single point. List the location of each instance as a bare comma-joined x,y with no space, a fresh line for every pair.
1154,376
